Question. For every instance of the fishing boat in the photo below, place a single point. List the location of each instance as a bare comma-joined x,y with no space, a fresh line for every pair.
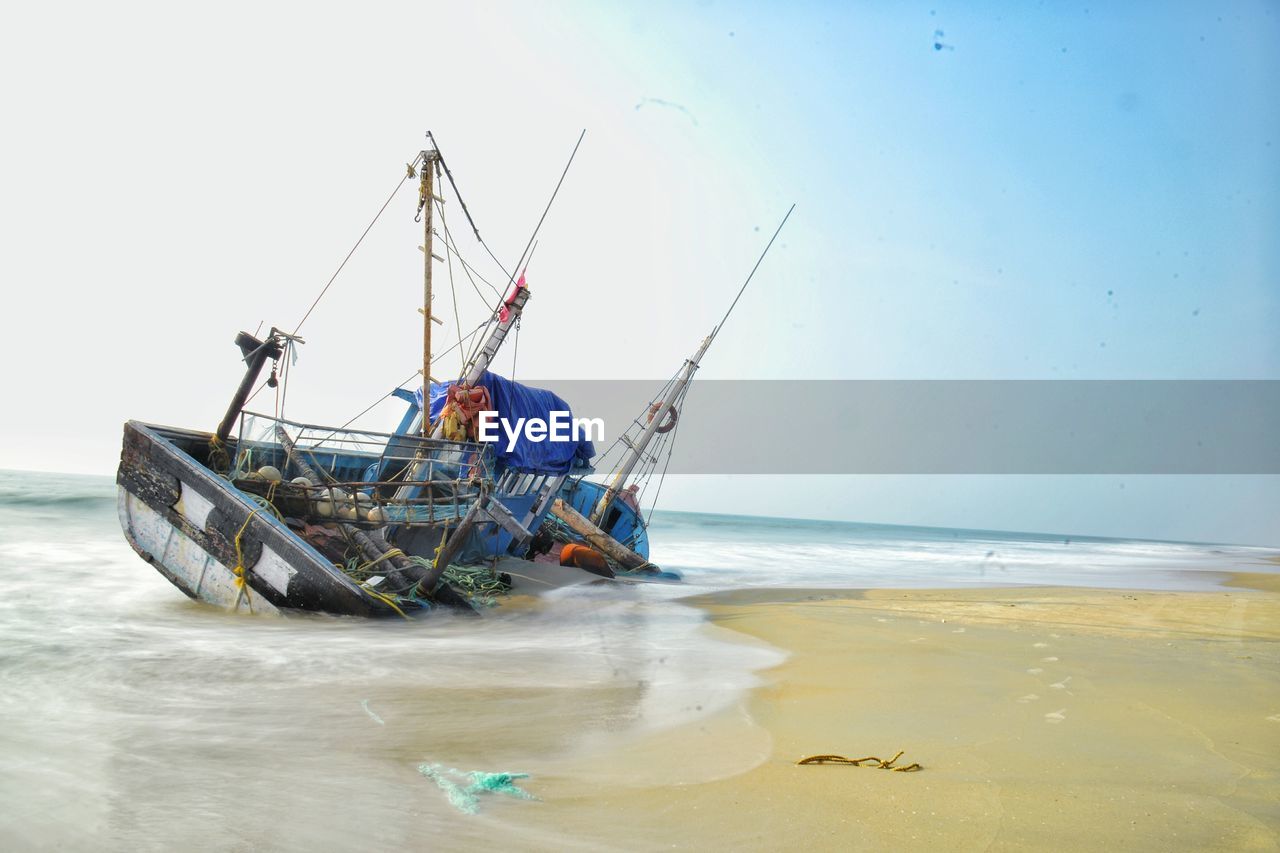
600,524
268,514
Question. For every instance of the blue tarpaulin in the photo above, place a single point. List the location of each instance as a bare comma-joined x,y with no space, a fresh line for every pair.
513,400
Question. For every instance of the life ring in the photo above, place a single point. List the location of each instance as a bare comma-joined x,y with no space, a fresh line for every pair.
669,422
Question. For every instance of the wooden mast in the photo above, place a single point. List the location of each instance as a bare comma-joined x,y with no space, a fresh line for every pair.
481,362
426,197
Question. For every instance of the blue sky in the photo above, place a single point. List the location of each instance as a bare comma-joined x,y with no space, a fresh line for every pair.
1061,191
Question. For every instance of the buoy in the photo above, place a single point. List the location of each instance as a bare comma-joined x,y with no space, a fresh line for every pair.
347,512
300,481
324,508
588,559
375,515
271,472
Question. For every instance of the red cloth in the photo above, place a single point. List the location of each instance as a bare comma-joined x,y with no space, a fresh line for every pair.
505,312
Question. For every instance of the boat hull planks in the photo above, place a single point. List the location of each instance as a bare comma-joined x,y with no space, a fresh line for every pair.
185,521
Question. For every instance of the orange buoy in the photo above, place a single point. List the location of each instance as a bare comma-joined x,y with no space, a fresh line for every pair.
588,559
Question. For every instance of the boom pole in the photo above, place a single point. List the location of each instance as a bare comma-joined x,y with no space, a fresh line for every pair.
668,404
479,364
676,393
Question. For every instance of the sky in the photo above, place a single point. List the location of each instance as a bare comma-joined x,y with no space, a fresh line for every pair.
982,190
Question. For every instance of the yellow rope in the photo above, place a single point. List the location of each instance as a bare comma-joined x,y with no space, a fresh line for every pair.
386,599
394,552
444,534
239,570
879,764
218,459
383,597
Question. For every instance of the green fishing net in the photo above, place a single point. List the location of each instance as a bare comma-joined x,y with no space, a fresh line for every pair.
462,788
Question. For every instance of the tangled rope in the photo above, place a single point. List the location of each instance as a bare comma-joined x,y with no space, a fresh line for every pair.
219,461
879,764
362,572
480,585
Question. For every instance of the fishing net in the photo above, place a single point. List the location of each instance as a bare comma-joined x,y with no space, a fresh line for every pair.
463,788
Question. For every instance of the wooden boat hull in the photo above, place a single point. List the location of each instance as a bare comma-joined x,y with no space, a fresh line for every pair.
196,529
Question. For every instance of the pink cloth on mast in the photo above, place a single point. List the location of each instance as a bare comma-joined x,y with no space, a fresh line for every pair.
505,312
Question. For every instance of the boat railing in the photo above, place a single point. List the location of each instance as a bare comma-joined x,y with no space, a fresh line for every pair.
359,476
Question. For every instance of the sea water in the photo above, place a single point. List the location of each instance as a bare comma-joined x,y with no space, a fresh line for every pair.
133,718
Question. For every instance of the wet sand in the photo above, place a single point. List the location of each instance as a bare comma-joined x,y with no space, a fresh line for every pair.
1044,718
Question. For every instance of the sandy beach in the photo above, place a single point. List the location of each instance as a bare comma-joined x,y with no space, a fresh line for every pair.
1044,718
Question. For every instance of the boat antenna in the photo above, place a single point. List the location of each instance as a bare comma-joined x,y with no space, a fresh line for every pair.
759,260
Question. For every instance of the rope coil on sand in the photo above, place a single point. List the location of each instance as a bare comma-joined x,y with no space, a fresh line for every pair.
879,764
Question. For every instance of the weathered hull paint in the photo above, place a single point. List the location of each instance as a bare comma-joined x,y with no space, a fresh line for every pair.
185,521
180,558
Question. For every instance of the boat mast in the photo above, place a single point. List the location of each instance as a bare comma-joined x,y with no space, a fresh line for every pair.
426,197
478,365
672,398
676,394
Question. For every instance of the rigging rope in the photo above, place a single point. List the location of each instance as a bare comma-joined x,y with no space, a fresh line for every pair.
400,384
759,260
453,291
450,242
671,446
325,289
448,174
545,211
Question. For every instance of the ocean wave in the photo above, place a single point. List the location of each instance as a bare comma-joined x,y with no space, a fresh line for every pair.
83,501
70,491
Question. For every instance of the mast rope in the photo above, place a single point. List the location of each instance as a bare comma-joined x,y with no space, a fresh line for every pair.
671,446
453,292
409,173
448,174
532,237
635,423
759,260
466,267
478,345
648,463
408,379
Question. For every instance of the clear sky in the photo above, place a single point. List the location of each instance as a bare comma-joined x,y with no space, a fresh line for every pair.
1053,190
